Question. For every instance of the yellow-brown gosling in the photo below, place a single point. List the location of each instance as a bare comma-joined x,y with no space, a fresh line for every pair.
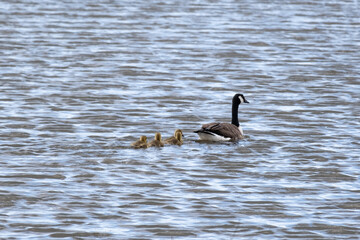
176,139
157,141
141,143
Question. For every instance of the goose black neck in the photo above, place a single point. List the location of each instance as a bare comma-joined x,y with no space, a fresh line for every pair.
234,119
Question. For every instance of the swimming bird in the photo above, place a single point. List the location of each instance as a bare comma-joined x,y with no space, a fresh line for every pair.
141,143
173,139
224,131
157,141
177,139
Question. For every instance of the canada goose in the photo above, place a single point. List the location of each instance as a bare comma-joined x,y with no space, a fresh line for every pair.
173,139
224,131
177,140
140,143
157,141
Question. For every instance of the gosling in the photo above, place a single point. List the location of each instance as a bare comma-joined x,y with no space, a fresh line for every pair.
176,139
170,139
157,141
141,143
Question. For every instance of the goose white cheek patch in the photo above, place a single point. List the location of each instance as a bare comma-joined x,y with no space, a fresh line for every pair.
241,99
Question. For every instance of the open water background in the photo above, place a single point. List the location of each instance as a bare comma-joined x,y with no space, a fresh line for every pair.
81,80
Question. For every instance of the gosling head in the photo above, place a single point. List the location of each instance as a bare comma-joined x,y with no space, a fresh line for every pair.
158,136
178,130
143,139
178,136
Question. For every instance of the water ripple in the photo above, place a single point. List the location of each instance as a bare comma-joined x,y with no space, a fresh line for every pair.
80,81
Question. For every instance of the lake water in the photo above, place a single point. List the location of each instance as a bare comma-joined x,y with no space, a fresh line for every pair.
81,80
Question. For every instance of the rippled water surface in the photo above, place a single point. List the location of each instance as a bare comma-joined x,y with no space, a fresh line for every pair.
81,80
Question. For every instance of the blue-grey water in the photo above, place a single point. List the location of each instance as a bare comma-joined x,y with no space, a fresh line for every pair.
81,80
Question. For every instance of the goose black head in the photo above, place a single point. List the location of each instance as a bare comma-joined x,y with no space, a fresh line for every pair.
239,98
